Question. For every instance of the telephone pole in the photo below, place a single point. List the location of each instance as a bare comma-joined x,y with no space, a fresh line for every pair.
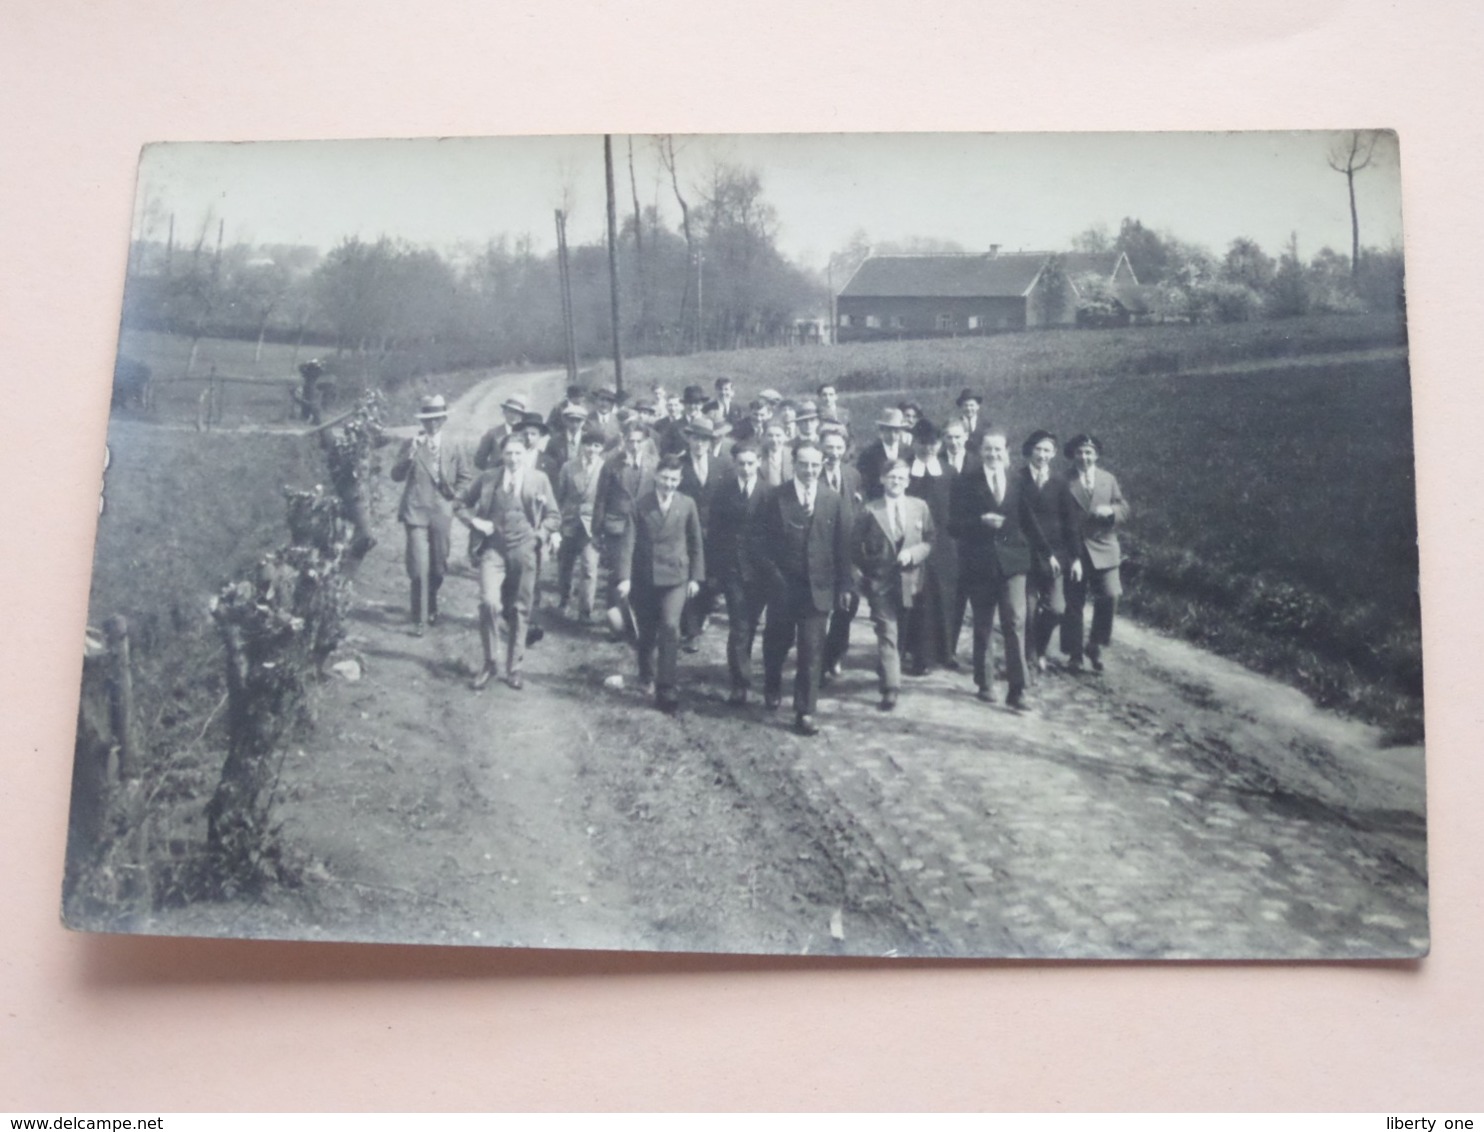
613,262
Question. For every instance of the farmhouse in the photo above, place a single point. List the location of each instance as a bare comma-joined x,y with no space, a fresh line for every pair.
924,296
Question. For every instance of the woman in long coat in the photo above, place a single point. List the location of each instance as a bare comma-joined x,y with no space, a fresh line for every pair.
937,618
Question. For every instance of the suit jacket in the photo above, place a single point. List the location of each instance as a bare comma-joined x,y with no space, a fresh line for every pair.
874,549
986,553
1098,537
718,471
1051,505
872,460
485,498
794,549
577,495
728,537
851,491
431,484
562,449
619,489
662,549
937,493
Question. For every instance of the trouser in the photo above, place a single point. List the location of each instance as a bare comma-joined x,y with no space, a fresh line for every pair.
427,563
886,619
792,616
1045,609
657,611
1106,588
744,610
837,636
578,559
506,582
931,627
1005,596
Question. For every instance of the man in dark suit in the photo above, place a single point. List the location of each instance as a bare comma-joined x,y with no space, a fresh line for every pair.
1045,596
892,444
1097,508
990,515
845,480
567,432
487,452
661,566
434,471
801,542
893,537
830,408
969,404
728,409
627,475
730,565
938,615
701,474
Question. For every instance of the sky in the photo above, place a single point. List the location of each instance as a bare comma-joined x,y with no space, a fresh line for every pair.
1030,191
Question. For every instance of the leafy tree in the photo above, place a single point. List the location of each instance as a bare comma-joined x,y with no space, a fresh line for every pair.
1147,252
1248,264
1288,296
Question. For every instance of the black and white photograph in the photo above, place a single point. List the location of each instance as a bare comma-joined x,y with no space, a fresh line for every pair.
931,545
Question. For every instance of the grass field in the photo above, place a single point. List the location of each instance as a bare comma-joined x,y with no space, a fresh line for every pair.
1274,508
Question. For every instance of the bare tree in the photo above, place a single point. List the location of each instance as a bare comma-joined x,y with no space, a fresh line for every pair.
666,143
1349,156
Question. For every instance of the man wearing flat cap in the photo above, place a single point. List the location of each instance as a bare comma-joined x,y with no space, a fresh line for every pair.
1097,509
487,453
567,433
435,472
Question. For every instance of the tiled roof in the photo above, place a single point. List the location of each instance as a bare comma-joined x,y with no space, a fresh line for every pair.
945,276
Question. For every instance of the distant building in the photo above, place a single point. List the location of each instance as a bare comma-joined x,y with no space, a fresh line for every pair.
927,296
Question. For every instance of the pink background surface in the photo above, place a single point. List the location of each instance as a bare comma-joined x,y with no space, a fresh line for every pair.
123,1024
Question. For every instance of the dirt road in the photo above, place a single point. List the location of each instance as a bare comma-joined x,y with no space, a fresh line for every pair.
1177,806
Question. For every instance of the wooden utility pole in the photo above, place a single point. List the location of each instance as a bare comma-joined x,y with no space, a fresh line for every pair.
613,261
569,336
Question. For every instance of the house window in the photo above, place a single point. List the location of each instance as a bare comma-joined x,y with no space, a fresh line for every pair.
945,322
844,320
896,322
873,322
973,322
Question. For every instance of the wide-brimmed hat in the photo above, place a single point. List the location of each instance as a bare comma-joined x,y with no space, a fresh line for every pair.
892,418
432,407
575,411
969,395
1035,438
1078,441
537,421
515,403
693,395
706,429
606,393
645,406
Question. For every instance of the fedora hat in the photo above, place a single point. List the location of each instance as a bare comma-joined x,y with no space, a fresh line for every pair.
432,407
515,403
574,411
537,421
969,395
892,418
693,395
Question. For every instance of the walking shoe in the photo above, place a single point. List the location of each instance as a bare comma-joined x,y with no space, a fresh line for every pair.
772,701
1016,700
985,694
534,634
690,644
805,725
483,677
738,698
515,681
888,701
1095,657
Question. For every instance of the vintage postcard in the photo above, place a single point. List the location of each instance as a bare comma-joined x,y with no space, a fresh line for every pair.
946,545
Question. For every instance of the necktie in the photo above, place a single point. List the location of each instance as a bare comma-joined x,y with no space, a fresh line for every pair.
1087,483
809,502
997,487
894,508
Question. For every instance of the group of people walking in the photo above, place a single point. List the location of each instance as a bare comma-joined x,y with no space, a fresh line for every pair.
788,517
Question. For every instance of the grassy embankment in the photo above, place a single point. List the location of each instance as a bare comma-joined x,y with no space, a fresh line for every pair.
1274,504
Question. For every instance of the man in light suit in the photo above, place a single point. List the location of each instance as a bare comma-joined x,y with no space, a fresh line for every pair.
434,472
801,544
662,566
512,510
577,494
1097,508
990,515
893,538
